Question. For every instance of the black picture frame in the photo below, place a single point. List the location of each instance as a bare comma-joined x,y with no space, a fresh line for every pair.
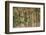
7,17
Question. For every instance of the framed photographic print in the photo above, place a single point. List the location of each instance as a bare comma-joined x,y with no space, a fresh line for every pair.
24,17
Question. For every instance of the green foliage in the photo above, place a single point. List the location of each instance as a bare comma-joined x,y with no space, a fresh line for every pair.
24,16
